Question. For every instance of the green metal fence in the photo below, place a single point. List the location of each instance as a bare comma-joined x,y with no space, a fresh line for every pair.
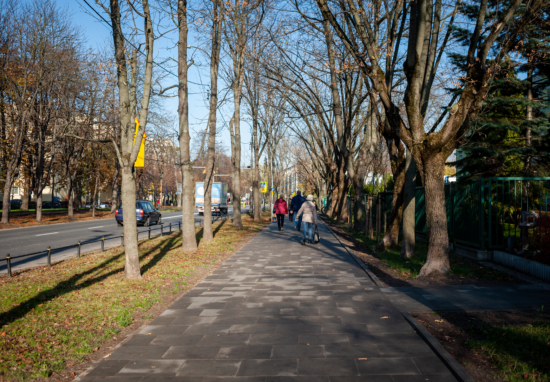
481,213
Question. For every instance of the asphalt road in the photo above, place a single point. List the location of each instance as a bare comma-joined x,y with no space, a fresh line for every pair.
22,241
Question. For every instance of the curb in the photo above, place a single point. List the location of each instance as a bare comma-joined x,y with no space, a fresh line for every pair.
456,369
372,276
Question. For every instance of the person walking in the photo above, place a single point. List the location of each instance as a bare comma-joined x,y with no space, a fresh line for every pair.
281,209
295,205
309,213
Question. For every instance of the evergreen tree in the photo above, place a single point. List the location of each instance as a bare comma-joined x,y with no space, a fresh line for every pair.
510,137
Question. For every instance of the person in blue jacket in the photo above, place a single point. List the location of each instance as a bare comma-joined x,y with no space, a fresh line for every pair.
295,205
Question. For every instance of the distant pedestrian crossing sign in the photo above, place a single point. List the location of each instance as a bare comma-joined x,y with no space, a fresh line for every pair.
263,187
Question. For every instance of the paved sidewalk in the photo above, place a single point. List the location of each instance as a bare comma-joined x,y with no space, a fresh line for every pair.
469,297
277,311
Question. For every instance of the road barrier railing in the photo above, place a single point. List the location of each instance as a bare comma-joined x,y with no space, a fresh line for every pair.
78,246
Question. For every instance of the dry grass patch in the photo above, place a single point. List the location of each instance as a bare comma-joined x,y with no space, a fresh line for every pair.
54,318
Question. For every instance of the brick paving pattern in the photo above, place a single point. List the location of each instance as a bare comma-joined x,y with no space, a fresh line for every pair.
277,311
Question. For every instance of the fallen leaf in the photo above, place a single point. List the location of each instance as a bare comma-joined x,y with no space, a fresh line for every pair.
363,359
107,355
439,321
148,334
384,317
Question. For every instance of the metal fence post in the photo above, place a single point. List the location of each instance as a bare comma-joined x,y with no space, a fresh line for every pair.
170,227
102,243
179,225
149,234
78,250
161,229
8,259
122,240
49,256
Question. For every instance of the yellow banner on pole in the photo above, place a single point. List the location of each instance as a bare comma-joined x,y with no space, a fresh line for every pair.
140,160
263,187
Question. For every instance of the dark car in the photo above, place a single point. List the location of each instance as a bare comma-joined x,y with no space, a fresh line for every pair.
145,213
50,205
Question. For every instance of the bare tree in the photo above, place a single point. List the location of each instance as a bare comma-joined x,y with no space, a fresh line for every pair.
216,34
431,24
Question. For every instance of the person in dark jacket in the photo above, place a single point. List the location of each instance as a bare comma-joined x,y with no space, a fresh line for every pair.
281,209
295,205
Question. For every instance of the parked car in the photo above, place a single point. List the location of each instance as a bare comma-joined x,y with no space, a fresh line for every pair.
50,205
97,205
16,204
145,213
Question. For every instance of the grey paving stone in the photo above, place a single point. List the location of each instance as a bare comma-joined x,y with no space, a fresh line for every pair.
424,378
140,340
274,339
191,352
390,366
363,378
269,367
139,352
298,329
245,352
253,329
237,320
297,351
323,339
152,366
309,378
352,351
176,340
193,368
431,365
153,330
344,328
404,350
117,378
330,367
224,339
234,379
163,378
208,329
108,368
192,320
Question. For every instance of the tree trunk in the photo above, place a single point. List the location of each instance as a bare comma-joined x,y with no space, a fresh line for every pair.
114,187
96,185
436,217
27,196
256,180
39,207
217,18
6,198
391,237
70,209
131,268
409,220
236,164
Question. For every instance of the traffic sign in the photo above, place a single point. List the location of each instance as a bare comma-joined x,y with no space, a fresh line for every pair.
140,160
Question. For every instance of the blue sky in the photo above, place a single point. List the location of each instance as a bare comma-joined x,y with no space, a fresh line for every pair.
98,35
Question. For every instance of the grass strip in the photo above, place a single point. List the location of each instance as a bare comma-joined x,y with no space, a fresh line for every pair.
409,268
520,352
52,318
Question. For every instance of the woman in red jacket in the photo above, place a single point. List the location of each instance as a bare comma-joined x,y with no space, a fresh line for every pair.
281,209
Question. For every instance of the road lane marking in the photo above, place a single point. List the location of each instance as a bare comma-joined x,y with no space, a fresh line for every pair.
172,217
44,234
96,227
